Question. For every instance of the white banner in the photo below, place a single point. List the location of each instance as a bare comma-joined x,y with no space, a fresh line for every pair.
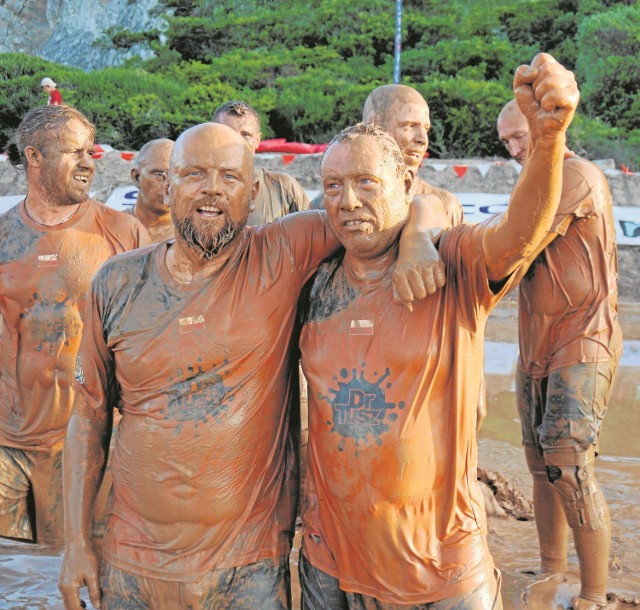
477,207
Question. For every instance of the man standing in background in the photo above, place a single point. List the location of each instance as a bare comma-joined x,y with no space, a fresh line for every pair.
148,173
404,113
278,193
570,345
51,244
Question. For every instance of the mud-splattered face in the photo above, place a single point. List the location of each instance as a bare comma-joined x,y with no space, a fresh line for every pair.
149,176
246,125
67,165
409,124
366,200
513,131
210,187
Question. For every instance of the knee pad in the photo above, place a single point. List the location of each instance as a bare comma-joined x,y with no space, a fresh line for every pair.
571,473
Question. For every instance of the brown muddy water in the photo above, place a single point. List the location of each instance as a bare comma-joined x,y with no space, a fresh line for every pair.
28,575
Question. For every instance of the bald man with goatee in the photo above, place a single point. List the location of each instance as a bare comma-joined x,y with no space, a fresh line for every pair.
192,337
404,113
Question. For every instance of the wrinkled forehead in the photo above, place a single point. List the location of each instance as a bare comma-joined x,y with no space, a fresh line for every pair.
360,155
73,133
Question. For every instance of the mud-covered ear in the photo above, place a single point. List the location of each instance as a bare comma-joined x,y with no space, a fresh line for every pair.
32,156
135,176
255,189
409,180
166,187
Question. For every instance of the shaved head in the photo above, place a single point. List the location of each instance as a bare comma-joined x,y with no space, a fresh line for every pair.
513,131
201,136
210,188
378,102
511,109
404,113
154,146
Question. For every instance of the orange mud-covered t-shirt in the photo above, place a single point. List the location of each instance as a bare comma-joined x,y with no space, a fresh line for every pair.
279,194
45,272
392,506
568,301
202,472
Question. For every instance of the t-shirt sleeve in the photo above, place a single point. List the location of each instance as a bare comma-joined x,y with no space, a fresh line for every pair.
298,200
581,193
310,239
56,97
462,252
141,236
95,371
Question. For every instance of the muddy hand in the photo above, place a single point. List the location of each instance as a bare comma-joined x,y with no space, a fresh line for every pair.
419,271
79,569
547,95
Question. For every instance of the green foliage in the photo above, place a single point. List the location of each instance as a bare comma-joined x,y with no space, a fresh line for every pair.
594,139
608,65
20,91
463,116
308,65
544,25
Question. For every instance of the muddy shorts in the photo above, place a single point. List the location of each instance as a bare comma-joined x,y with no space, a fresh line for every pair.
567,407
31,495
265,584
320,591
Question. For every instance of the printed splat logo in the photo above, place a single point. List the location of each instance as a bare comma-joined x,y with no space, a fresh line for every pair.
360,410
201,396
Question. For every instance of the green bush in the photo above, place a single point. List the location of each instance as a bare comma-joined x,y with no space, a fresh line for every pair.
20,91
308,66
608,66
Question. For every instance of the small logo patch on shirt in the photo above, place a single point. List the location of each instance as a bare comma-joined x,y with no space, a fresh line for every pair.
361,327
48,260
190,324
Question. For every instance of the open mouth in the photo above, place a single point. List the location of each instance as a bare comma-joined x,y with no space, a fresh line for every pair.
210,211
82,179
358,225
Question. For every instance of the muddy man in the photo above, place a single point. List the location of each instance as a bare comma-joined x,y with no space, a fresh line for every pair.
570,345
394,515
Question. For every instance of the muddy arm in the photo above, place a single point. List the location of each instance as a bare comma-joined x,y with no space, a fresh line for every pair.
85,455
547,95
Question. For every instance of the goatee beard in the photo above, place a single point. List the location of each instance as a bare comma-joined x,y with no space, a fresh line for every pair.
208,246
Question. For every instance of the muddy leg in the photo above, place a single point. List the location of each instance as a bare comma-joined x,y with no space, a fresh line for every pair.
551,523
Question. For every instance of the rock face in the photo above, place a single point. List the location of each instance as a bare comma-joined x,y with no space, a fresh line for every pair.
64,30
